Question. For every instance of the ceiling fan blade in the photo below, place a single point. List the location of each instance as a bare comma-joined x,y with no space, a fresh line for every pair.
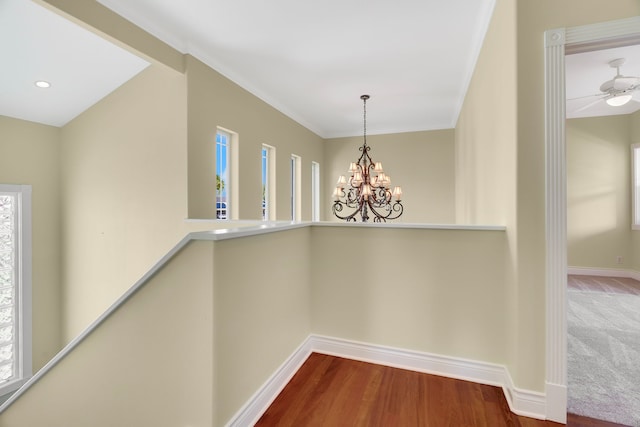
586,96
590,104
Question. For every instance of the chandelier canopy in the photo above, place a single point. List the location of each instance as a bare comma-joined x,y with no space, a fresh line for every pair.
367,191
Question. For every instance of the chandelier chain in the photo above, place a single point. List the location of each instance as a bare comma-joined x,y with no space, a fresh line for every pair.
364,108
365,120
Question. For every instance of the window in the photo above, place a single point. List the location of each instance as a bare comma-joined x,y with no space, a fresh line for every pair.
635,185
268,178
315,191
223,160
15,286
265,183
295,188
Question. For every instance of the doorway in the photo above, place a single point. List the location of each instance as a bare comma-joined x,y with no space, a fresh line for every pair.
557,43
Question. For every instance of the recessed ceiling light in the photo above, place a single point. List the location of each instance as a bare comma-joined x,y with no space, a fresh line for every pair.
43,84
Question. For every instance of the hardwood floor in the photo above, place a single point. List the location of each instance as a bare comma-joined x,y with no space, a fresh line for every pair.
332,391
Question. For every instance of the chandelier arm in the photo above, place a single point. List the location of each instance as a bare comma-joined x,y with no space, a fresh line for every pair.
393,211
338,207
381,196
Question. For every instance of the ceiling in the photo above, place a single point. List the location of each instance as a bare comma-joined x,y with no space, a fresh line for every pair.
585,72
313,59
81,67
310,60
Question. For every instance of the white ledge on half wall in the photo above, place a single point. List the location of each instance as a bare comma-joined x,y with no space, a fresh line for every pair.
236,231
412,226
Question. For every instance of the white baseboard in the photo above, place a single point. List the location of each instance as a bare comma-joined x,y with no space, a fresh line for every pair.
251,412
604,272
521,402
556,402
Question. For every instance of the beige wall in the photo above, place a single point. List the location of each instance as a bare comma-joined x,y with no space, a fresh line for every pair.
598,192
214,101
214,328
405,288
127,167
221,317
124,191
261,312
518,50
180,119
421,162
486,153
485,133
533,18
149,363
29,154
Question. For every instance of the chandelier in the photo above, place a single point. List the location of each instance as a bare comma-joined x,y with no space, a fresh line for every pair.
367,192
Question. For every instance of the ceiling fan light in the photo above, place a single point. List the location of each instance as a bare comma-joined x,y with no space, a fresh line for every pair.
618,100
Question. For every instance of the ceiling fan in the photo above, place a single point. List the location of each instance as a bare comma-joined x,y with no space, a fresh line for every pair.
615,92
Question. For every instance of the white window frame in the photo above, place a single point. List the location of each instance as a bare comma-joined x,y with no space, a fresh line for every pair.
315,191
296,189
22,281
635,186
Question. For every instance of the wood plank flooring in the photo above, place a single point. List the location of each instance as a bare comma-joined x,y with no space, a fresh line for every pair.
332,391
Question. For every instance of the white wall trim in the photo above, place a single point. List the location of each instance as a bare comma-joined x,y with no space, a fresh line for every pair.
603,35
251,412
604,272
556,397
522,402
555,216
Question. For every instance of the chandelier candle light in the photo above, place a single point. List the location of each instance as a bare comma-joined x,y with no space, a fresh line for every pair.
367,191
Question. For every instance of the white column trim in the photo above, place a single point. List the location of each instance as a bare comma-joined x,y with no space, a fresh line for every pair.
556,228
557,43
